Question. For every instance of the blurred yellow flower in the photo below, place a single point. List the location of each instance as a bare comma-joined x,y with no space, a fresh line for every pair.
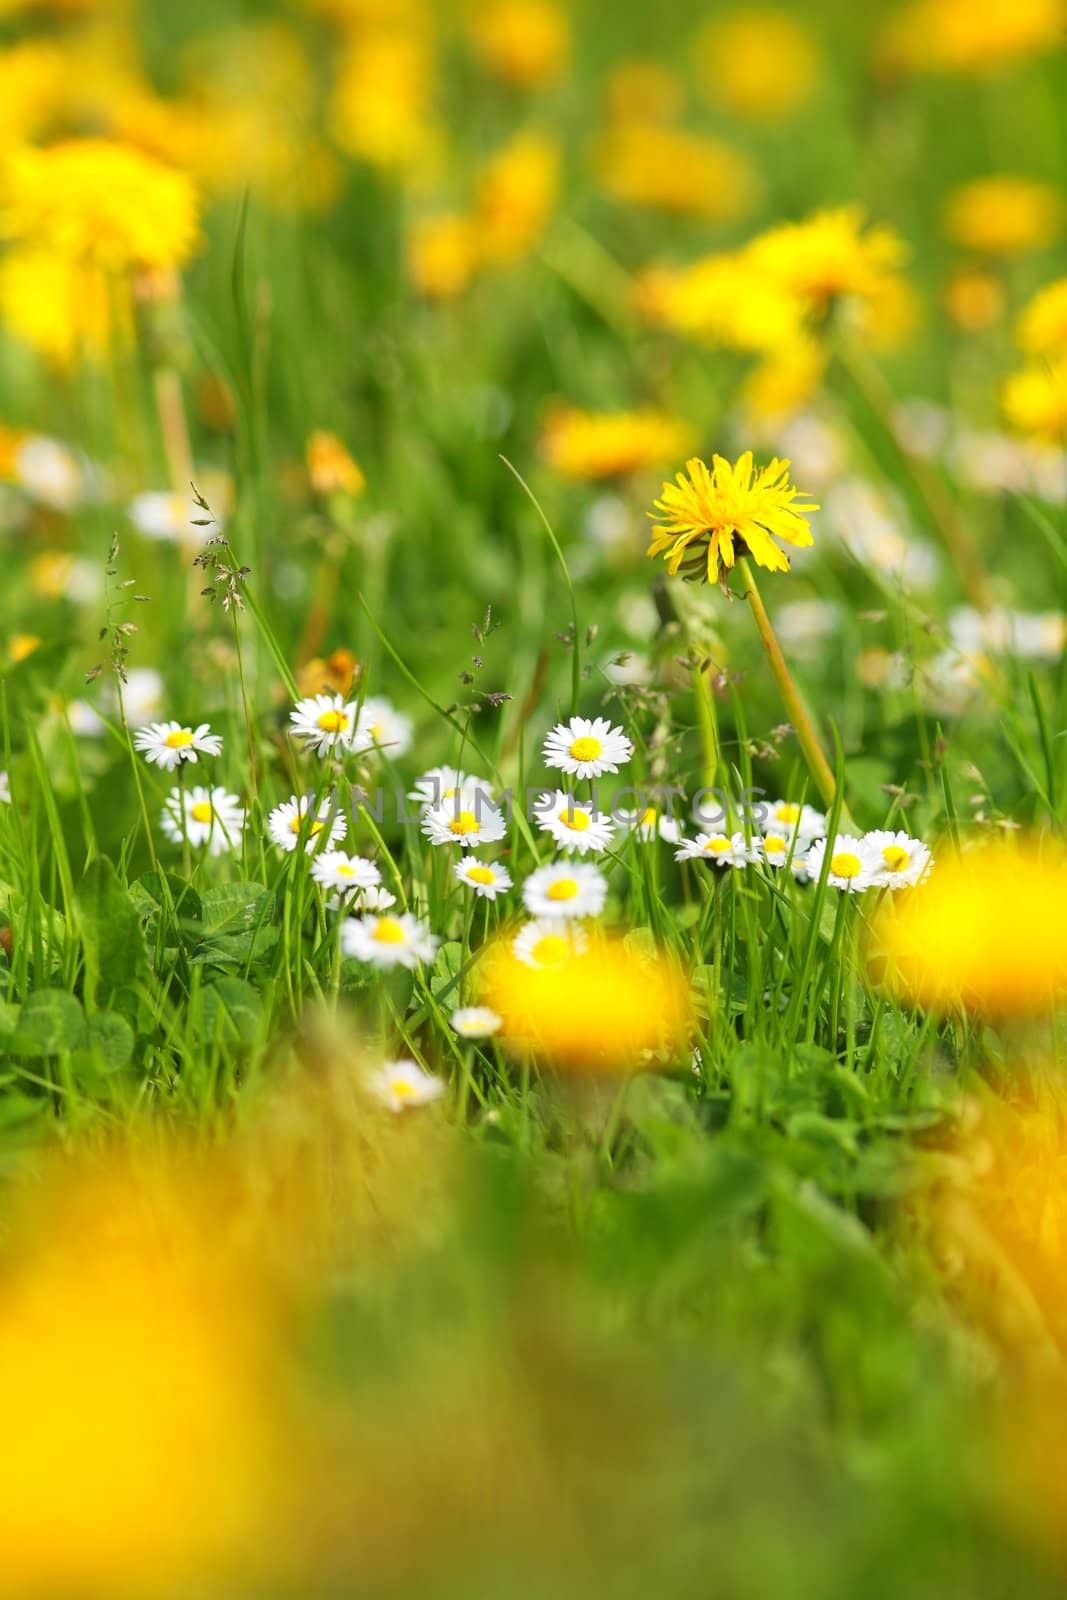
986,932
970,36
642,92
974,299
98,202
609,444
22,645
758,63
707,518
383,100
442,254
523,42
831,258
330,467
32,83
1034,400
721,299
666,169
60,307
514,197
1003,215
1043,323
608,1008
784,381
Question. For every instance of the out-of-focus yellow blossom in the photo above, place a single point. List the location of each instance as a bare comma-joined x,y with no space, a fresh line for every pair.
330,467
831,258
514,197
21,645
132,1374
709,517
974,299
607,1009
382,106
721,299
608,444
1035,400
32,81
986,932
784,381
442,254
667,169
60,307
970,36
642,92
10,440
1043,324
333,674
1003,215
758,63
96,201
523,42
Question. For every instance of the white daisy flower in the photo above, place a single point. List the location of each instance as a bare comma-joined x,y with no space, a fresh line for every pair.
399,1084
775,849
585,748
724,849
469,818
389,941
376,900
212,816
336,870
565,889
441,784
650,824
854,863
167,743
381,727
324,721
573,824
548,942
792,821
5,789
170,518
142,695
903,861
288,821
486,881
49,472
476,1022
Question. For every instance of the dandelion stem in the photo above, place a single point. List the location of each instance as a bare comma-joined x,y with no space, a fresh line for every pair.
808,738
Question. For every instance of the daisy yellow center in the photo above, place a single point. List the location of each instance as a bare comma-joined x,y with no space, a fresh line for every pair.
649,817
895,857
388,931
577,821
586,749
774,847
465,822
179,739
401,1089
482,875
562,889
333,722
375,731
295,825
846,865
550,950
345,871
201,812
788,813
717,847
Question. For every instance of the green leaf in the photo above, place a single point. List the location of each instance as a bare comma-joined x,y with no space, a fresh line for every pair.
445,972
110,928
237,925
231,1012
110,1039
51,1021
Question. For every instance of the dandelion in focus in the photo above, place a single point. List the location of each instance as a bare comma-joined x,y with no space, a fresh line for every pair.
709,517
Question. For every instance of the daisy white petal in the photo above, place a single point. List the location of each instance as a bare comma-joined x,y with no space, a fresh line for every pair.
650,824
441,784
565,889
574,824
587,748
165,744
476,1022
853,863
388,941
485,879
211,816
326,721
469,818
547,942
790,820
400,1084
381,727
334,869
903,861
306,816
724,849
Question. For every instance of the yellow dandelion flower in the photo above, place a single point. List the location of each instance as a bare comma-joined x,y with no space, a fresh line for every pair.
785,380
595,445
99,202
720,299
32,86
666,169
603,1008
330,467
61,308
442,255
711,516
974,299
758,63
514,197
643,91
970,36
1003,215
828,258
986,933
1034,401
1043,324
523,42
382,103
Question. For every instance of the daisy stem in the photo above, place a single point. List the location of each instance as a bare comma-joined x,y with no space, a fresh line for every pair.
802,724
708,723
